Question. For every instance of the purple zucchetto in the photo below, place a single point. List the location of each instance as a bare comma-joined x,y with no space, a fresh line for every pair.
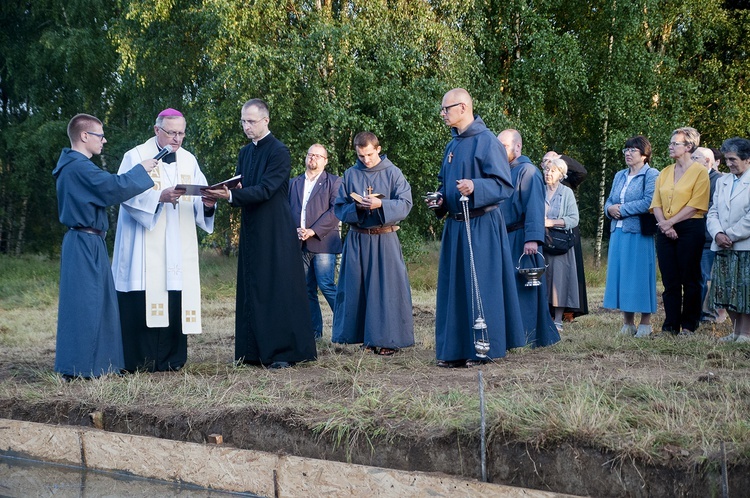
170,113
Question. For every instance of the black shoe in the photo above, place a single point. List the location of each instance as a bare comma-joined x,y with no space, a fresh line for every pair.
451,364
280,364
475,363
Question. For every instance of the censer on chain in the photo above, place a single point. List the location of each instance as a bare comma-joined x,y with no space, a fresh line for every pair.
481,338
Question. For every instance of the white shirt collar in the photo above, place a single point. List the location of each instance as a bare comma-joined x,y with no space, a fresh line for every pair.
261,138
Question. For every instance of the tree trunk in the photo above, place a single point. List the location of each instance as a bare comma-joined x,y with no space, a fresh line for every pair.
602,192
4,212
21,226
605,137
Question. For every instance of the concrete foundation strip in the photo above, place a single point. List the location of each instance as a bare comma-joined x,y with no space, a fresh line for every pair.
231,469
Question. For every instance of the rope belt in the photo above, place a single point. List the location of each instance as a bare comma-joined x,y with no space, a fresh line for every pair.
375,231
474,213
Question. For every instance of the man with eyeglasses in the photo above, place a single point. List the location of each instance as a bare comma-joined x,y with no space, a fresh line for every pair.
155,261
89,341
474,166
272,326
523,213
311,197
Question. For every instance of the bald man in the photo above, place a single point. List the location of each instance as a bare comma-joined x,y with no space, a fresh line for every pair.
476,166
524,217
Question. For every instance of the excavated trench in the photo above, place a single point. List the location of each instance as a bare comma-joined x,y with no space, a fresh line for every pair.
565,468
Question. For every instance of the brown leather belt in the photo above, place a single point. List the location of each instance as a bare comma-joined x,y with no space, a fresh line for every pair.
512,227
474,213
375,231
92,231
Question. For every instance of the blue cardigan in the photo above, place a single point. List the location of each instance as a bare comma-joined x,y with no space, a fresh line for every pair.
637,197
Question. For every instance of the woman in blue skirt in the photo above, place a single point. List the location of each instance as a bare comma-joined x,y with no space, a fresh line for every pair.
631,266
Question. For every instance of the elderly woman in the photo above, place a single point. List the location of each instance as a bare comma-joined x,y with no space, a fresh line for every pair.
631,266
561,211
729,225
679,204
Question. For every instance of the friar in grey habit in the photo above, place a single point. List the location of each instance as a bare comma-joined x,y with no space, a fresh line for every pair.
89,337
524,218
373,298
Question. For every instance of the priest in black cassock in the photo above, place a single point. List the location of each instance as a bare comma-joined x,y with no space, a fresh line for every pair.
272,326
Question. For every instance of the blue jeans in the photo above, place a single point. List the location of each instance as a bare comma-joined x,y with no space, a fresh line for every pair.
319,270
707,262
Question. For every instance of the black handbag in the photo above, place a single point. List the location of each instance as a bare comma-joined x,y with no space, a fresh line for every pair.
558,241
648,220
648,223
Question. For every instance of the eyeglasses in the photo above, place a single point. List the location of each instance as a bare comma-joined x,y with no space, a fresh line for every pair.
316,156
675,144
445,109
100,135
251,122
632,150
173,134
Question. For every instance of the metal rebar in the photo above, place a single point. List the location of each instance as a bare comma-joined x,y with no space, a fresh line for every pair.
482,428
724,475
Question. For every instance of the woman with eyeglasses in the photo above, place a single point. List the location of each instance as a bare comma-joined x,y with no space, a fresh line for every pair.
680,203
631,263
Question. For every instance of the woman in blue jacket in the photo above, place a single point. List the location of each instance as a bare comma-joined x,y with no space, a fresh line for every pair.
631,267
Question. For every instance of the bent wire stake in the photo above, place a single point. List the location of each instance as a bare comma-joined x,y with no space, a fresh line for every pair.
481,339
482,428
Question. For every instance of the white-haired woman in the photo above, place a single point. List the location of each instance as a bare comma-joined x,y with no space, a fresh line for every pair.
729,225
561,211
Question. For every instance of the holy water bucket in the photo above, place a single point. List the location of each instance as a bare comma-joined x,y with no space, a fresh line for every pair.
532,275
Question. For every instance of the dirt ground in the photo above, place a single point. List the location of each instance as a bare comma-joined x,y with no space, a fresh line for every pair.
295,418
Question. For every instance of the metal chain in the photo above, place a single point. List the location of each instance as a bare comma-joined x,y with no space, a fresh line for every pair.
478,312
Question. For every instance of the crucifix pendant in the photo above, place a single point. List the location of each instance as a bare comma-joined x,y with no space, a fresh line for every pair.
369,190
450,157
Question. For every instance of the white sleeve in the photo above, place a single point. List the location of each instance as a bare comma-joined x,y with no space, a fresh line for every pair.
145,207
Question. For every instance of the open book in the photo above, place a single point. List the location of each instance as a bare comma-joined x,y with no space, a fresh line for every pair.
198,189
358,198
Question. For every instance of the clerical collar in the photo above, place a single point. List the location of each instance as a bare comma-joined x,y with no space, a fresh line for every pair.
261,138
169,158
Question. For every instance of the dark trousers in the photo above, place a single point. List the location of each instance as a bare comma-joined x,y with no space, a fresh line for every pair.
160,349
680,266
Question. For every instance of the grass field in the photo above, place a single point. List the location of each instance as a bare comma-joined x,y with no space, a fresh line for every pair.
657,400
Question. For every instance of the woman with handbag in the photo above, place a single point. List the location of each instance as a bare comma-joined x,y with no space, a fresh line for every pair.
631,263
680,203
561,212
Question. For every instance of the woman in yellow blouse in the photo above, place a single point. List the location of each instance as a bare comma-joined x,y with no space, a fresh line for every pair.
680,203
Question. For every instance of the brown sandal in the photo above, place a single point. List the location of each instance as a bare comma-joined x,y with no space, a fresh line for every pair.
386,351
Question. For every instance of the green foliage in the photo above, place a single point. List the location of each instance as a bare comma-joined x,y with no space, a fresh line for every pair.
578,78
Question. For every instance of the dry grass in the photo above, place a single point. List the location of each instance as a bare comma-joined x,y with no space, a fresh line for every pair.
655,399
